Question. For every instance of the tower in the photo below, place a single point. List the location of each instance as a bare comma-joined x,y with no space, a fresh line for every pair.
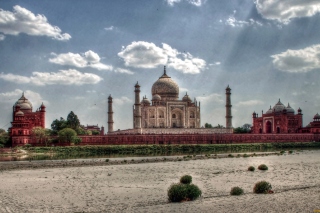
137,108
228,108
110,114
43,115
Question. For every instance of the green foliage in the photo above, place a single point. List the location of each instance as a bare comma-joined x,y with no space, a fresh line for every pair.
262,167
251,168
81,131
290,152
107,160
40,135
67,135
77,140
184,190
262,187
4,138
186,179
236,191
95,132
206,125
72,121
58,125
230,156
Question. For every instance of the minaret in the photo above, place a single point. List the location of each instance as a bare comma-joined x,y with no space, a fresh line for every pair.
43,115
228,108
110,115
137,108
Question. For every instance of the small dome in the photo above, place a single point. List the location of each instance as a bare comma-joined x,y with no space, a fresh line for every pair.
145,100
278,107
316,116
289,109
19,113
186,98
24,103
269,111
156,97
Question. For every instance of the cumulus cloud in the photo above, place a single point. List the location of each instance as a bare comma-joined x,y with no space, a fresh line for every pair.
120,70
297,61
64,77
143,54
87,59
214,97
250,103
22,20
285,10
197,3
34,97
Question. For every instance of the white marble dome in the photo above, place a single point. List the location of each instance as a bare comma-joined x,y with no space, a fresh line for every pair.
165,87
24,103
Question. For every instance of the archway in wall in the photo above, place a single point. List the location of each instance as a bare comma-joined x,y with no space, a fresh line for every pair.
176,118
268,127
278,129
260,130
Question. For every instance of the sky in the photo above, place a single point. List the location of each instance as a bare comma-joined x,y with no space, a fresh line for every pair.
71,55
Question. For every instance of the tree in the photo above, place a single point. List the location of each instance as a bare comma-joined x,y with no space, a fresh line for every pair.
58,125
73,121
246,128
40,135
95,132
219,126
67,135
4,138
206,125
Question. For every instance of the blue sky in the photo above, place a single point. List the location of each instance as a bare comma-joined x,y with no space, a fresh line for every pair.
72,55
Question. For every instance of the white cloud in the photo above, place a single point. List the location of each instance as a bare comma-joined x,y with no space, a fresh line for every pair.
120,70
87,59
109,28
2,37
250,103
22,20
64,77
295,61
34,98
121,101
197,3
143,54
285,10
233,22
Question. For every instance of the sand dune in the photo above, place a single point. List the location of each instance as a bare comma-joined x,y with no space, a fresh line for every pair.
295,179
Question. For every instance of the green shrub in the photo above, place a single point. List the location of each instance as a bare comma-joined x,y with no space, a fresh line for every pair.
262,187
262,167
282,152
183,192
186,179
177,192
230,156
245,155
290,152
193,191
236,191
107,160
251,168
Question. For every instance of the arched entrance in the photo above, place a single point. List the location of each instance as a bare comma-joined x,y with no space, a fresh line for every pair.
268,127
176,118
278,129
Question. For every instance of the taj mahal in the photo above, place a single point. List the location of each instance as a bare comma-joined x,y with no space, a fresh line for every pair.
166,113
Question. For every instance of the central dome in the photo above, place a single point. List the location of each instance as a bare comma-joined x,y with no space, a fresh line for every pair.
24,103
167,88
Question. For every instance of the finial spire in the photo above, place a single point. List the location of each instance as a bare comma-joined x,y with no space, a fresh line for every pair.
164,70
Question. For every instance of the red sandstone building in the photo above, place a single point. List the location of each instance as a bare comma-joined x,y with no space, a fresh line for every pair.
279,119
24,120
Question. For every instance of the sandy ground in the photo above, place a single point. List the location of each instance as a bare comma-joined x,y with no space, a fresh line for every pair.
143,187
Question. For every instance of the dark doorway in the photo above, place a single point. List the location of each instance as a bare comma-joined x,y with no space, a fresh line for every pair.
278,129
268,127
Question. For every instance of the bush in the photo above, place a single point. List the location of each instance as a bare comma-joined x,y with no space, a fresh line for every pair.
177,192
262,167
236,191
290,152
245,155
230,156
262,187
107,160
193,191
186,179
251,168
184,190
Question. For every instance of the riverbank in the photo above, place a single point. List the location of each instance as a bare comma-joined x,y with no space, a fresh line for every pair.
142,187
